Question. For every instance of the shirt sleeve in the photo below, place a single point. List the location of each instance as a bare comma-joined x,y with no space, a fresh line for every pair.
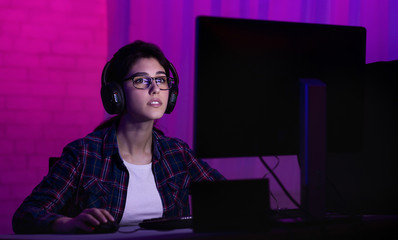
42,206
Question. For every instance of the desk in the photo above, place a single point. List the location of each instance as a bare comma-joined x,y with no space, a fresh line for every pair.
131,232
378,227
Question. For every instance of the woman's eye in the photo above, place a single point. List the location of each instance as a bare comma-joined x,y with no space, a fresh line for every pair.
138,80
161,79
141,80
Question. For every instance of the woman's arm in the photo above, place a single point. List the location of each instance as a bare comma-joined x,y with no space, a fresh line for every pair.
42,206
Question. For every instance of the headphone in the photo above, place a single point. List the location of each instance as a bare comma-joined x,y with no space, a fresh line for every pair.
112,94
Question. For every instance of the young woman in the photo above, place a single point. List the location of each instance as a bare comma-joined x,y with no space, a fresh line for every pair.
126,170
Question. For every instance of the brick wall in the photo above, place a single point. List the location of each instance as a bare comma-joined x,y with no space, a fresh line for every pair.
51,57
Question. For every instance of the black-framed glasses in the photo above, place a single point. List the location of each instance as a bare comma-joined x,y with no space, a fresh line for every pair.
144,82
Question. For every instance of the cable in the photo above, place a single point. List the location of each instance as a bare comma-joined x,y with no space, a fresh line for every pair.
276,165
276,200
270,192
280,183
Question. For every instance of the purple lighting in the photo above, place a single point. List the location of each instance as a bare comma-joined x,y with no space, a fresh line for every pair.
52,54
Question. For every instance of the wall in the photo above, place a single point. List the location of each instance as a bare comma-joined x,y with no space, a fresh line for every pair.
51,57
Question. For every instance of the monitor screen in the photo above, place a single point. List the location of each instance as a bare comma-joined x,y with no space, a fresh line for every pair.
247,85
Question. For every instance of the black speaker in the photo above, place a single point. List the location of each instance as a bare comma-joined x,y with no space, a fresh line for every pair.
112,94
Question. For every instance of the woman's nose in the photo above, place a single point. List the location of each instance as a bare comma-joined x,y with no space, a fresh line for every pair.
154,88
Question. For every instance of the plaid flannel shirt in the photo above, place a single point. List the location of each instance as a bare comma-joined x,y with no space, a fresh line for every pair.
90,174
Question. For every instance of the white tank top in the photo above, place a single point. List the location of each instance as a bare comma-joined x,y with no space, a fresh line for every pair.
143,199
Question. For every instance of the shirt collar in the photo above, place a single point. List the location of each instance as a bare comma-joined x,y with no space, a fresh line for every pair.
155,145
110,142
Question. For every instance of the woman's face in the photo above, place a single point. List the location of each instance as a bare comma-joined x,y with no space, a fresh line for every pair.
145,104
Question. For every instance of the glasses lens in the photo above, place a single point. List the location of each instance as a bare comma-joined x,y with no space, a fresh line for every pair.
141,82
163,83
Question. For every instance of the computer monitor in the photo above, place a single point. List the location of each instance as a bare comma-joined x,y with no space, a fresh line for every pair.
247,85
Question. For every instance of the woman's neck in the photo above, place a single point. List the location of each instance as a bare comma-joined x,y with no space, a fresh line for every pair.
134,141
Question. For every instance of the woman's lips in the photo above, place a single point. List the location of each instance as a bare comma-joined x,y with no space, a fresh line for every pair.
155,102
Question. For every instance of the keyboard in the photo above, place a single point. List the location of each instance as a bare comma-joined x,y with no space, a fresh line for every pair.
167,223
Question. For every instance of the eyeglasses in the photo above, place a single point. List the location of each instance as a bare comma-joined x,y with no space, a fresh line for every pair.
144,82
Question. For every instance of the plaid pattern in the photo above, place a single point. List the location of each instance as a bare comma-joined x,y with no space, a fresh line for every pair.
90,174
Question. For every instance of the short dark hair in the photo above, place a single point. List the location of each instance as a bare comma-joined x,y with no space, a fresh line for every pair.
127,56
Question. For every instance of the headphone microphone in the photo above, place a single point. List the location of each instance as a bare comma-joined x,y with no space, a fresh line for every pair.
112,94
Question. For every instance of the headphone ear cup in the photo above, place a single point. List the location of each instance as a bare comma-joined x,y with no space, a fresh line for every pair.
173,91
172,99
112,96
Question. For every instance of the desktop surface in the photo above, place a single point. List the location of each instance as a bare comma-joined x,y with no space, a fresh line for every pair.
377,226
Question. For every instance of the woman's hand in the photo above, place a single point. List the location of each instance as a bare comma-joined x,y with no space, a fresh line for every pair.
86,221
